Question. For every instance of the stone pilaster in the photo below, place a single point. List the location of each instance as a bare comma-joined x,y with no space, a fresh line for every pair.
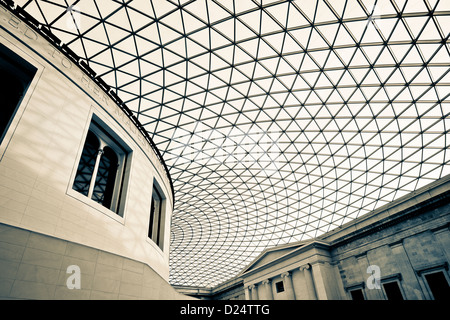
307,272
411,287
288,286
254,291
247,293
268,289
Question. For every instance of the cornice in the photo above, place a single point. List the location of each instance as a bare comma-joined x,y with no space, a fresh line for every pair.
314,244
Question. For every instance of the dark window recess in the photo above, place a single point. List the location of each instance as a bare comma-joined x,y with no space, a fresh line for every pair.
156,217
438,285
17,75
392,291
279,286
357,294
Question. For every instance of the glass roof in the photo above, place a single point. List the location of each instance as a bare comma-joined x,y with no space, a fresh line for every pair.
278,120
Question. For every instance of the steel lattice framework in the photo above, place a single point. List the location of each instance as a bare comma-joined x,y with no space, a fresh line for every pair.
278,120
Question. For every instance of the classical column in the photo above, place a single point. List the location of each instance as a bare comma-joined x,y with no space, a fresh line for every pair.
247,293
268,288
94,172
307,272
254,290
290,294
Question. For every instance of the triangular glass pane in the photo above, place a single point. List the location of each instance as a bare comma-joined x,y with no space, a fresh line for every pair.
295,19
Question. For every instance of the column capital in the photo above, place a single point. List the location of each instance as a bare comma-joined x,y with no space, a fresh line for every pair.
267,281
305,267
252,286
286,274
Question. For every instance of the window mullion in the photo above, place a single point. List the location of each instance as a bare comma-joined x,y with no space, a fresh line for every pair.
94,173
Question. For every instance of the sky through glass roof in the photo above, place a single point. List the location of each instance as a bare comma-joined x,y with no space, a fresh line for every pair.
278,120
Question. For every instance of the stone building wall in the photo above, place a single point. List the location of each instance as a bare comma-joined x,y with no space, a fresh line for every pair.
44,221
402,250
37,266
398,246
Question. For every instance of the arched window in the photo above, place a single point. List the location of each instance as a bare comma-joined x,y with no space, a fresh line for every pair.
101,168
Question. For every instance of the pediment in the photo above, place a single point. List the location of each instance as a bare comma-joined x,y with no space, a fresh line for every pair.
272,254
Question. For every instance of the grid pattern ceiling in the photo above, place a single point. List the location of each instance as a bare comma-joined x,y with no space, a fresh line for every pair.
278,120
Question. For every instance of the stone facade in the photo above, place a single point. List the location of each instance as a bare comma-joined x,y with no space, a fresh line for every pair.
397,244
37,266
386,254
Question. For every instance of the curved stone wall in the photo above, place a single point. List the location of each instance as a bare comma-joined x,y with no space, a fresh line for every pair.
42,147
